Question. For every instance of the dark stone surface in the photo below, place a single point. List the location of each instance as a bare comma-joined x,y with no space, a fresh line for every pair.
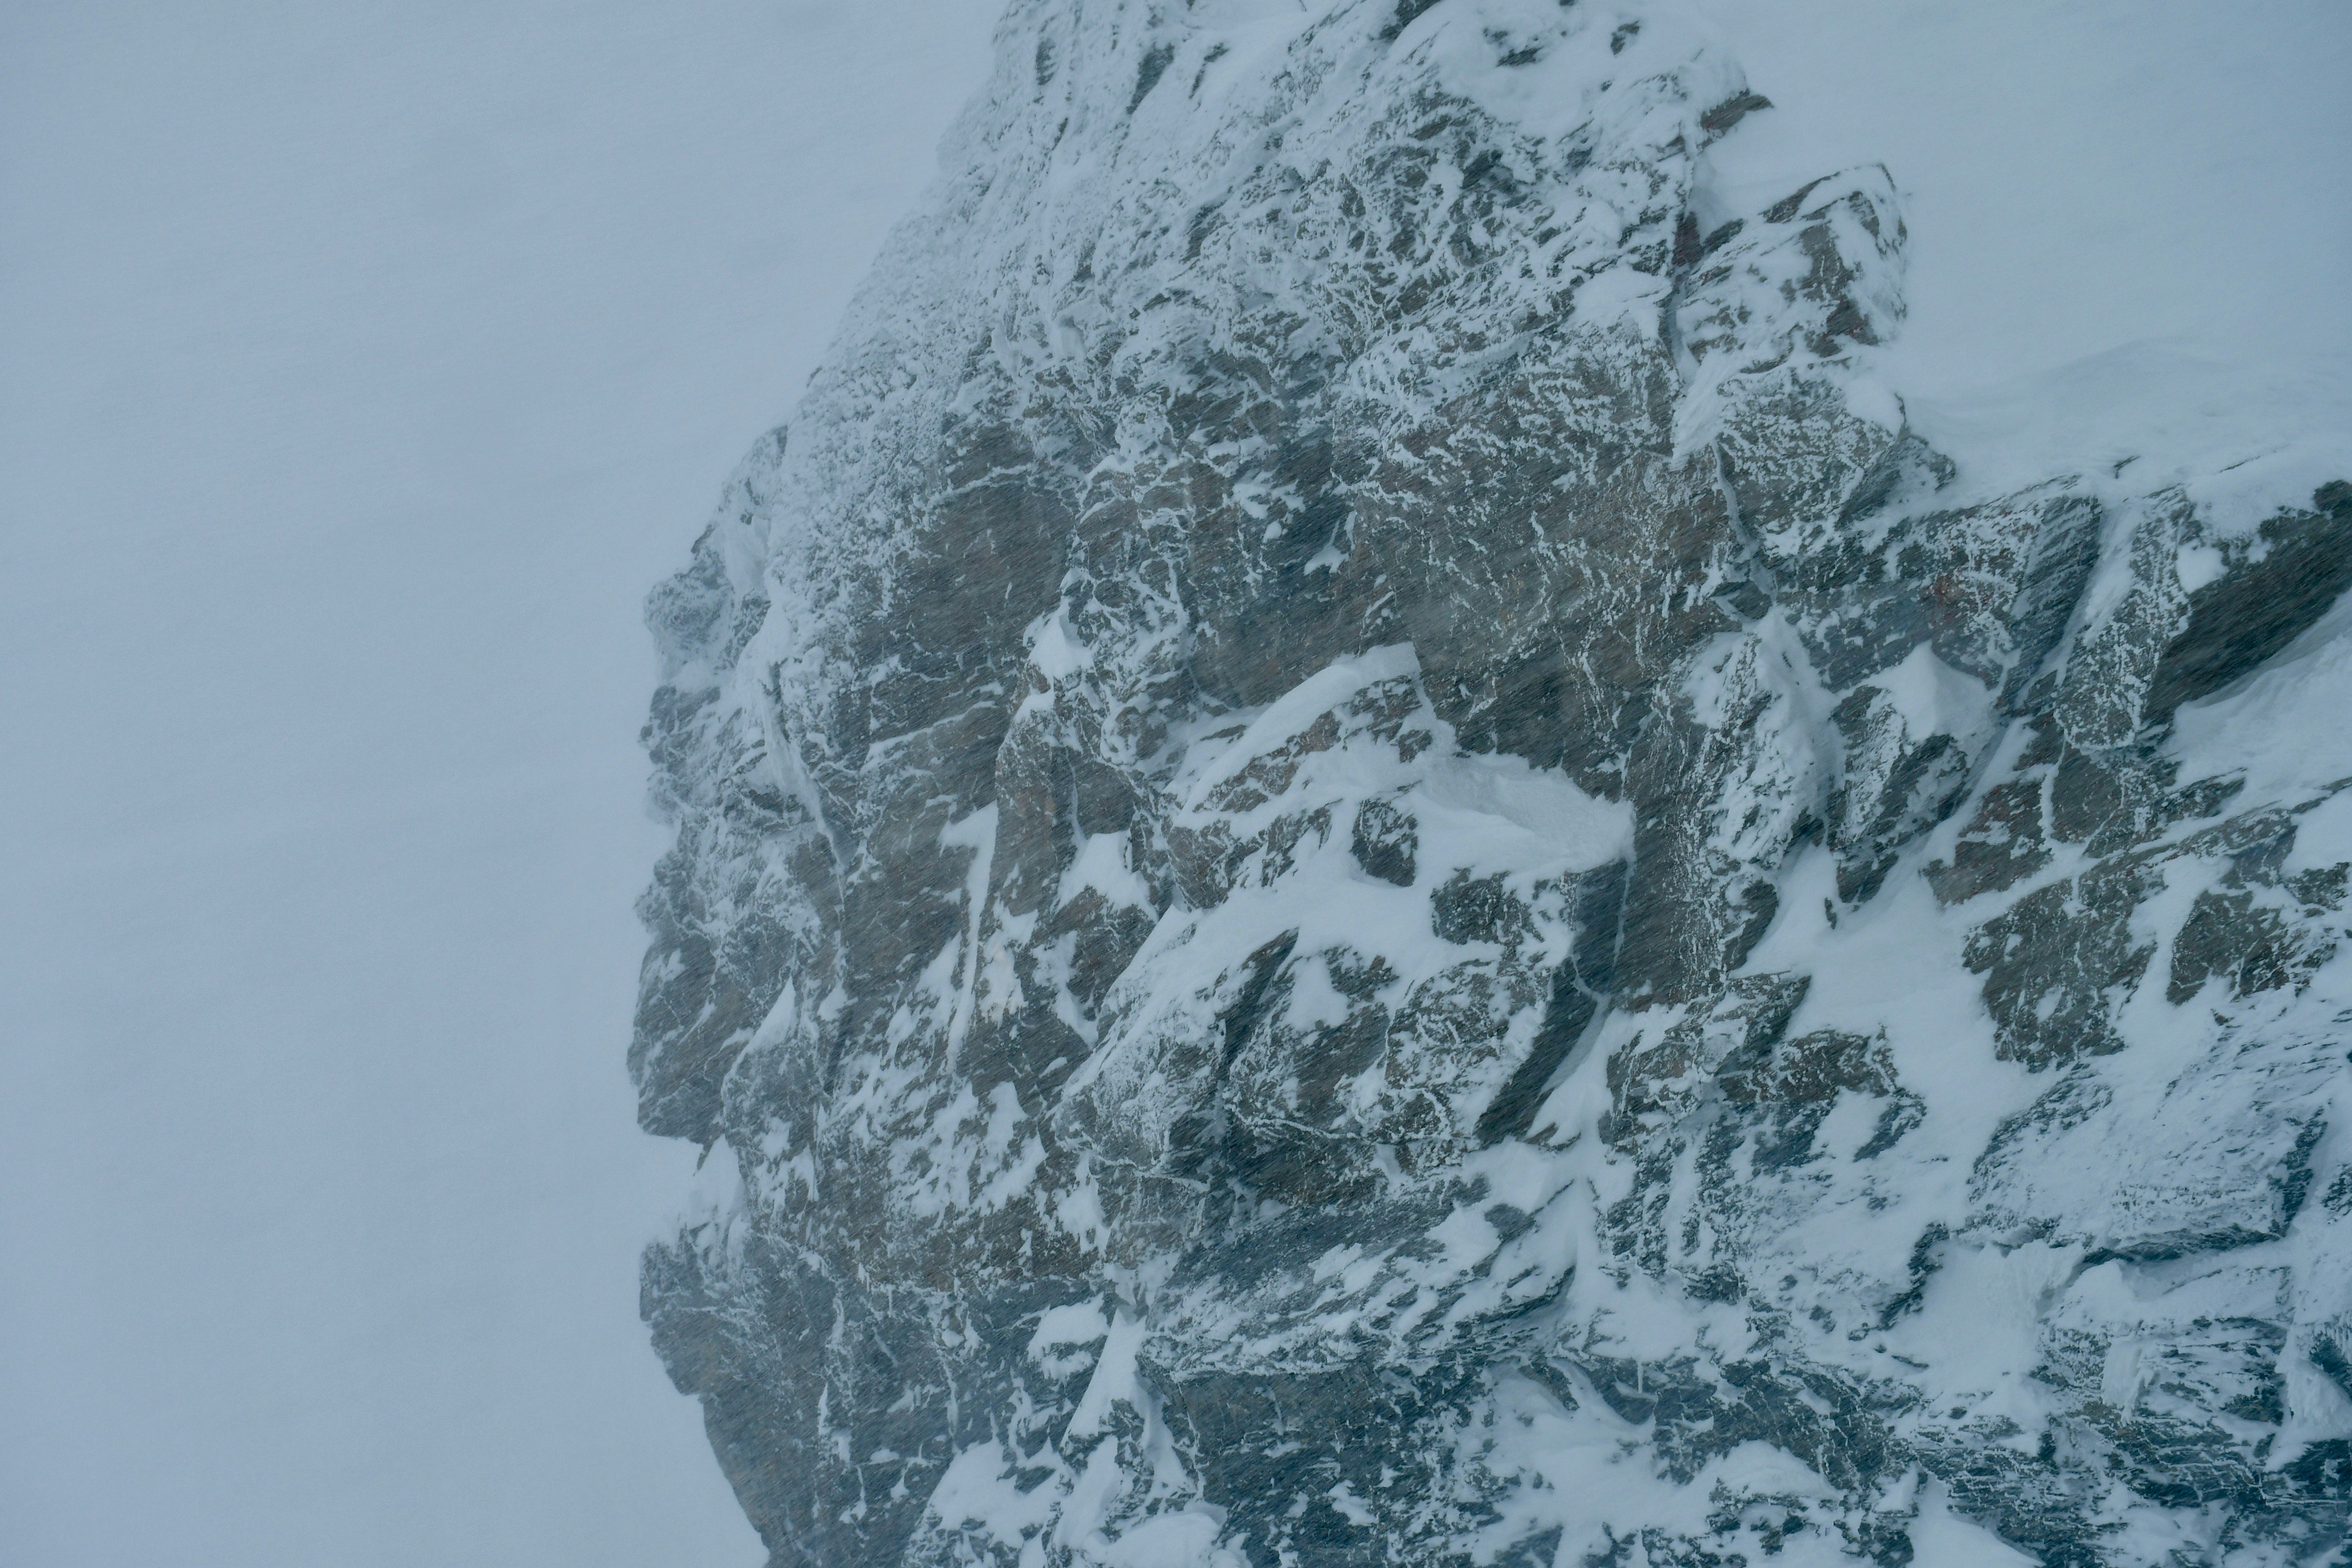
2243,617
1254,789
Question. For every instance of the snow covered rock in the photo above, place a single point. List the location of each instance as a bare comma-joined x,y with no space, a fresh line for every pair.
1373,865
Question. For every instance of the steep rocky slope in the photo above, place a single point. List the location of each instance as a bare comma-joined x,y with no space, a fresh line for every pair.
1373,865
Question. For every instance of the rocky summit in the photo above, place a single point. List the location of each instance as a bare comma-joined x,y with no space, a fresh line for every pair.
1374,866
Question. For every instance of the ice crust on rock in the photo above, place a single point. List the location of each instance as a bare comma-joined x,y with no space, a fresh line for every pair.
1371,866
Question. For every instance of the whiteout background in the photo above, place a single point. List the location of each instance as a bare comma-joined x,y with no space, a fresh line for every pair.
359,370
360,367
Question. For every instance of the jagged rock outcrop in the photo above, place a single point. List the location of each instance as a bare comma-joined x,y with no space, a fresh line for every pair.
1372,867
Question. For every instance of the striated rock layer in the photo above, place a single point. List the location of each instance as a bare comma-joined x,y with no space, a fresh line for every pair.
1372,867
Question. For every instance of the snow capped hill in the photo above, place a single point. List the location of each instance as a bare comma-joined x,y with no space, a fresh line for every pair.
1378,861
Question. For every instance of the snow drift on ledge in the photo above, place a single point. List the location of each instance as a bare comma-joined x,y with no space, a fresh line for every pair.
1375,863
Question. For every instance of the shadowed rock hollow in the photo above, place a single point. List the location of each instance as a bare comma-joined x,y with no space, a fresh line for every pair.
1372,867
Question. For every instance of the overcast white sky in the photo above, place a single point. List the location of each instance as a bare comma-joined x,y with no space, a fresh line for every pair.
360,367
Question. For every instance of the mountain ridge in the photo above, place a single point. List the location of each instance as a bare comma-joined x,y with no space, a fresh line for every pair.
1253,779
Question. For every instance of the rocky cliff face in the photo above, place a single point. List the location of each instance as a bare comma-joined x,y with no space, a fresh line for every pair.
1373,865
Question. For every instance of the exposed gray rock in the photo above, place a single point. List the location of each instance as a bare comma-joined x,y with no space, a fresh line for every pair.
1373,865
